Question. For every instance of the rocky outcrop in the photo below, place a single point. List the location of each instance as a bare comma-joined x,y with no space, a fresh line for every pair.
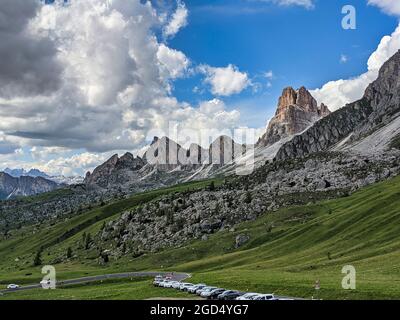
11,187
379,106
115,171
296,111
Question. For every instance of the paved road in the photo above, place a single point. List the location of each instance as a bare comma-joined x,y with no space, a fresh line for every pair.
175,276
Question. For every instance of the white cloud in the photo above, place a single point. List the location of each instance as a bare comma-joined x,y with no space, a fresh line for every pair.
173,62
308,4
343,58
269,74
115,86
391,7
225,81
336,94
178,20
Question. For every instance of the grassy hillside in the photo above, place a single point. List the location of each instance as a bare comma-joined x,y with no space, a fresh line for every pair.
288,251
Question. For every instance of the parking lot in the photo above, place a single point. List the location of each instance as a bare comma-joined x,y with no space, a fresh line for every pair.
213,293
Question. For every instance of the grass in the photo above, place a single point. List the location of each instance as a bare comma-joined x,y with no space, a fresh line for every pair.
108,290
289,250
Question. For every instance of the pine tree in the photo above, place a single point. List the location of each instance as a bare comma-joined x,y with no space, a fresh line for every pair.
248,197
212,186
88,241
38,259
69,253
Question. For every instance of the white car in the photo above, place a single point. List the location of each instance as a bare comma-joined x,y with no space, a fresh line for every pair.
176,285
13,286
163,283
168,284
248,296
263,297
186,286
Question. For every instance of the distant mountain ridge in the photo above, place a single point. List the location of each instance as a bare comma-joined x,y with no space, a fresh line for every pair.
16,173
34,173
11,187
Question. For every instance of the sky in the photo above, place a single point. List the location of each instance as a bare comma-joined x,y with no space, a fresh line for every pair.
84,79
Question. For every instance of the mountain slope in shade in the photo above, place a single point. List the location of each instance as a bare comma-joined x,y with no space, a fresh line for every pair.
365,126
11,187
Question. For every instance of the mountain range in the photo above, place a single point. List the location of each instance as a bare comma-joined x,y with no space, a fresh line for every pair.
11,187
166,162
21,182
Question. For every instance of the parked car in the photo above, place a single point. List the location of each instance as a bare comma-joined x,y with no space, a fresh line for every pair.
195,287
13,286
247,296
166,284
205,293
264,297
157,280
176,285
229,295
181,284
169,284
200,291
161,283
215,293
186,286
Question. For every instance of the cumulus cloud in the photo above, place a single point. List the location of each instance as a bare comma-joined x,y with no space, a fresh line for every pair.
225,81
28,63
336,94
178,20
173,62
391,7
114,82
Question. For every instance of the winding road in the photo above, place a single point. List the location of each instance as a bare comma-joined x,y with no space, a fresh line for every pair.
174,275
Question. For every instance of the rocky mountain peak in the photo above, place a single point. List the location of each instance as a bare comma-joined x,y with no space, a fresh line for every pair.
113,168
297,110
288,98
306,100
323,110
364,126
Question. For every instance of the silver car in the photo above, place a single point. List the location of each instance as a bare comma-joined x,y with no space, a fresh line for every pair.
205,293
263,297
196,287
199,291
247,296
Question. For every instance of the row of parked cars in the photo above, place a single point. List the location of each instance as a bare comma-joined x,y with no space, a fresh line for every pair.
209,292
